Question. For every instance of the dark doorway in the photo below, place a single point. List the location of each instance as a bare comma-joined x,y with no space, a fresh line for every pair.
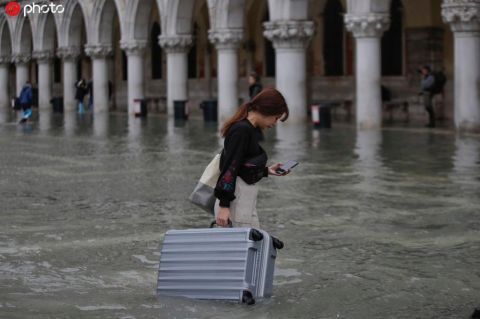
333,38
156,52
392,42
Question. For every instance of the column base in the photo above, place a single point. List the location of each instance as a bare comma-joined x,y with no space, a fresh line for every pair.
468,127
368,125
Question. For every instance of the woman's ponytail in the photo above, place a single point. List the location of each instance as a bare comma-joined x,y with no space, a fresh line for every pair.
241,114
268,102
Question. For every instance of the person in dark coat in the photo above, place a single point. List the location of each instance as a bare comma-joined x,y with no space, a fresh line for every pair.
427,85
90,94
26,99
243,162
80,95
254,85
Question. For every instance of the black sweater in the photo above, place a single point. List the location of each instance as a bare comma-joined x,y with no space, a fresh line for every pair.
242,156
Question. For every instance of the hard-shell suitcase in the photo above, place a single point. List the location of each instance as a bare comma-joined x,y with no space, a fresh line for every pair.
218,263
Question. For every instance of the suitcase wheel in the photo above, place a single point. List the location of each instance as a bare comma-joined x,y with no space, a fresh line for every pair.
247,298
255,235
277,243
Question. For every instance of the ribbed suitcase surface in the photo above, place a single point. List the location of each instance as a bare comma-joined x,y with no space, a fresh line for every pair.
217,263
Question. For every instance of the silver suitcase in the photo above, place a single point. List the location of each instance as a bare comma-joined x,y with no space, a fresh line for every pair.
218,263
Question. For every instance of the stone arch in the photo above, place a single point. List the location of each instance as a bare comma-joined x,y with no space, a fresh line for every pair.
46,33
176,16
73,26
5,38
22,35
288,9
101,26
227,14
137,26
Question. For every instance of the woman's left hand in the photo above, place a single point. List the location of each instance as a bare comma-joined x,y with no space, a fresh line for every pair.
272,170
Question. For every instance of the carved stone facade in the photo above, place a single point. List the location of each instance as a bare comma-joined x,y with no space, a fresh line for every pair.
5,59
175,44
21,58
226,38
289,34
43,56
69,53
462,15
368,25
134,47
99,51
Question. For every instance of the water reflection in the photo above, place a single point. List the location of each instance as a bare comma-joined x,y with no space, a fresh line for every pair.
69,123
466,160
369,161
45,120
290,139
4,115
100,125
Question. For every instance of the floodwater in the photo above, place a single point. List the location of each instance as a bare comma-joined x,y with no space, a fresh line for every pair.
376,224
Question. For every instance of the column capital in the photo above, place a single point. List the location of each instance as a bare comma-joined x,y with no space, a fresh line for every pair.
5,59
69,53
43,56
175,43
289,34
370,25
226,38
21,58
98,51
136,47
462,15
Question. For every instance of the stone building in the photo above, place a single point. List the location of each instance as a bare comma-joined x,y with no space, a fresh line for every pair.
166,50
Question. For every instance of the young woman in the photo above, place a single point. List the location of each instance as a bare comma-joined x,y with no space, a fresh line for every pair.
243,161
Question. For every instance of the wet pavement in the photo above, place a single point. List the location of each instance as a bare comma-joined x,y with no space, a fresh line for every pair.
376,224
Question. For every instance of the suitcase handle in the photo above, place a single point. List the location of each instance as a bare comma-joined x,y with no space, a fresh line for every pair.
230,225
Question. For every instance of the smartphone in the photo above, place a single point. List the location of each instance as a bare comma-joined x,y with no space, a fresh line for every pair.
287,166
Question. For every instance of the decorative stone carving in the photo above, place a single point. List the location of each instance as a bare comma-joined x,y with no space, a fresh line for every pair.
226,38
69,53
19,58
177,43
371,25
133,47
289,34
5,59
98,51
462,15
43,56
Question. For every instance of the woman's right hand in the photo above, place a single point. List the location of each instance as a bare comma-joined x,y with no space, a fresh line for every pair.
223,216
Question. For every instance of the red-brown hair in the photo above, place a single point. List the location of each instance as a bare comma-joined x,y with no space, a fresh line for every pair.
268,102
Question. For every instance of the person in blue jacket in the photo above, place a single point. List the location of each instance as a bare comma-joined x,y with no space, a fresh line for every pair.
26,99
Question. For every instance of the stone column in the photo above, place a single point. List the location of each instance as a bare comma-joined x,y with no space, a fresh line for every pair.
69,55
290,40
99,54
227,42
176,48
135,52
464,19
22,73
367,30
44,60
4,81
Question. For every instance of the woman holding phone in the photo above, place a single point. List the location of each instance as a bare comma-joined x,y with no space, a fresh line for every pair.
243,161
